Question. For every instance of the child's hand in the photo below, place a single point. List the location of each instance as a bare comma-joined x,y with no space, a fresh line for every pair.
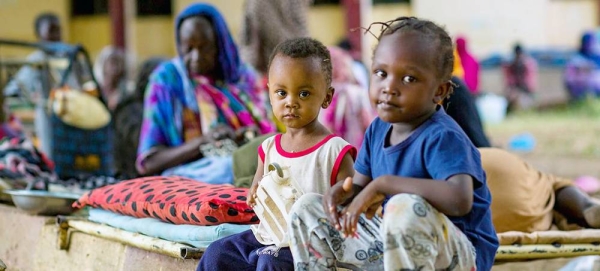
367,201
251,198
251,194
336,195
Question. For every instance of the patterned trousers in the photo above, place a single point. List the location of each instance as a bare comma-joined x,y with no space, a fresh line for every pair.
412,236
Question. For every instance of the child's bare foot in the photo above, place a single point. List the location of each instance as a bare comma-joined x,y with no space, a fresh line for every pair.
592,216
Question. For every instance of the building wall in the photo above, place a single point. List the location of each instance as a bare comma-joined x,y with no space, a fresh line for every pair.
566,21
232,10
491,26
18,17
152,36
386,12
494,26
23,13
93,32
380,13
325,22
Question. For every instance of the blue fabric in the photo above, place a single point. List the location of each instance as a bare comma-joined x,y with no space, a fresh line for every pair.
588,48
197,236
436,150
242,252
212,170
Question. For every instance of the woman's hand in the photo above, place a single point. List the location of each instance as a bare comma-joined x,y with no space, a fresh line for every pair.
337,195
239,136
367,202
246,133
221,132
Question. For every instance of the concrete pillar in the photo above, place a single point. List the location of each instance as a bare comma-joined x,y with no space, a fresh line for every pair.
353,22
116,10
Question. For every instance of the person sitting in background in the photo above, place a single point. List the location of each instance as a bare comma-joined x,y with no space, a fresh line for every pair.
10,126
460,105
524,198
127,120
520,79
582,77
204,94
350,112
110,70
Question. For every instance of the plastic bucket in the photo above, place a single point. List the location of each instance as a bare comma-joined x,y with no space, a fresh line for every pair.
491,108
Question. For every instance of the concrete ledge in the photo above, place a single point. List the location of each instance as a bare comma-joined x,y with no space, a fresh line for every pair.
31,243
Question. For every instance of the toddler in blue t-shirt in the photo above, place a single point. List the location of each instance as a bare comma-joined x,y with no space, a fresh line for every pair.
416,162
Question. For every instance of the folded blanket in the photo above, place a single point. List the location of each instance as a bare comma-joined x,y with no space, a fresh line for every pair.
212,170
197,236
22,165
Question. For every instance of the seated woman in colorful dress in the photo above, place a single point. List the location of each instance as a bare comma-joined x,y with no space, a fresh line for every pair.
203,95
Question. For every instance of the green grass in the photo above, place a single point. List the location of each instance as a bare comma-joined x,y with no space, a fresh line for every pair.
571,130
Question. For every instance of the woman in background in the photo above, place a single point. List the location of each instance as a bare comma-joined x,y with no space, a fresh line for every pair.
204,94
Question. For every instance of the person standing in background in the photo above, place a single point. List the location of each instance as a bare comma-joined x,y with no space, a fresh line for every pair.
33,83
266,24
469,64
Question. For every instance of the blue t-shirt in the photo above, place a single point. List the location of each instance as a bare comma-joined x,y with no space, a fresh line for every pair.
437,149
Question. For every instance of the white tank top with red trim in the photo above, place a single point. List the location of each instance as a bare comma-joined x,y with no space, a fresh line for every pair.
314,169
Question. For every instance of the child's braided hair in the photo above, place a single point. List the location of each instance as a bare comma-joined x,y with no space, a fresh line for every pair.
430,29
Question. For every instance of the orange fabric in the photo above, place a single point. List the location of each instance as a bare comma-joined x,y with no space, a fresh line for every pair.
458,69
522,197
176,200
